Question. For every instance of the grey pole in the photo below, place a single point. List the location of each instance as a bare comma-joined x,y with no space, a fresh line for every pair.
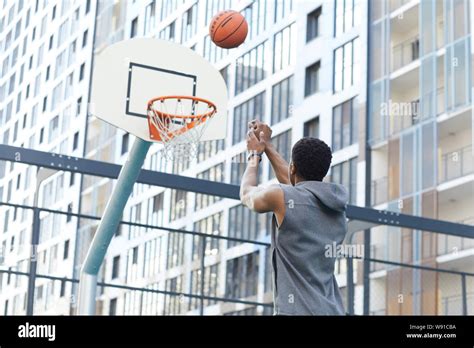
33,262
41,175
108,226
464,294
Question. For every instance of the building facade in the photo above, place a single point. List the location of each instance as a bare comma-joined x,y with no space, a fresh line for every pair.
420,138
303,70
44,87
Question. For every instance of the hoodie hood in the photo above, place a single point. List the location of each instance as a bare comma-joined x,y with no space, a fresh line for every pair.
333,196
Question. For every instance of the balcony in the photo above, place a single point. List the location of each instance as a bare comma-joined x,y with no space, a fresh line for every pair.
379,191
450,244
405,52
456,164
440,108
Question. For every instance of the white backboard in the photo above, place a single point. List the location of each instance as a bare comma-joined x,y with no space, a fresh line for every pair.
131,72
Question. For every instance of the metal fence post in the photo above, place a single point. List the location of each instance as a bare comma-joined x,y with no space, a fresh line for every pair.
203,254
464,294
350,285
33,262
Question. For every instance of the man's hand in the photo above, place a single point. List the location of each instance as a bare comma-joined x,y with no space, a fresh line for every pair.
254,144
261,130
264,134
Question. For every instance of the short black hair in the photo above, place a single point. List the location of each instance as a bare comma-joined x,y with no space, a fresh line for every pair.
312,158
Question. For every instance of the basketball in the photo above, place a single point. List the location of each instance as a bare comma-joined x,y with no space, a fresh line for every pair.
228,29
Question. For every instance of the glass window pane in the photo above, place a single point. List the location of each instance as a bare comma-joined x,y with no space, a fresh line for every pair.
336,126
407,161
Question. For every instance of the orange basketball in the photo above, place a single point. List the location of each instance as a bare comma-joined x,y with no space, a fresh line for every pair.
228,29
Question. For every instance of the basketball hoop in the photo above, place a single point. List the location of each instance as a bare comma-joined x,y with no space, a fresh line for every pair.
179,122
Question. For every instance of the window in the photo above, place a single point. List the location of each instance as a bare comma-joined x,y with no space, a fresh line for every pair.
115,267
150,17
212,52
113,307
125,140
189,23
172,303
256,13
72,53
346,65
347,15
66,250
75,142
84,38
212,225
282,143
246,224
51,39
63,33
215,6
135,256
215,173
177,204
69,211
168,33
282,100
282,9
345,173
53,128
211,284
312,79
60,63
157,210
62,290
207,149
81,71
284,53
88,6
344,125
242,276
134,28
57,96
40,56
311,128
244,113
79,103
250,68
54,12
175,250
312,24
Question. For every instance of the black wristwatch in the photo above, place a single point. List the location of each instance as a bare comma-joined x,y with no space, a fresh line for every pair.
258,154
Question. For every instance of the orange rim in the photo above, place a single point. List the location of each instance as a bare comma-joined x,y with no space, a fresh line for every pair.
197,119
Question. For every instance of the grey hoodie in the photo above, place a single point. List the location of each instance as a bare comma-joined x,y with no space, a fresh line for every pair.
303,277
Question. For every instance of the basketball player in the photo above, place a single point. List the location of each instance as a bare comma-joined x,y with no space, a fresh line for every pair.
308,216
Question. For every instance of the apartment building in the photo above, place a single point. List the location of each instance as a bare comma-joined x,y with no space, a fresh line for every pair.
46,50
422,160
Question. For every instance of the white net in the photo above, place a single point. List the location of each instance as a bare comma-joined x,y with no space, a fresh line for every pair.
178,123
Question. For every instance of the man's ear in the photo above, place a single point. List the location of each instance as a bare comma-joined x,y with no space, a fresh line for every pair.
292,169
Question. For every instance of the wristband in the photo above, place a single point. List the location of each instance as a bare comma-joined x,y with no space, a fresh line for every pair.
258,154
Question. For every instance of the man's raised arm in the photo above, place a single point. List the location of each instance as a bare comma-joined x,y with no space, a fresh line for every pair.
279,164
